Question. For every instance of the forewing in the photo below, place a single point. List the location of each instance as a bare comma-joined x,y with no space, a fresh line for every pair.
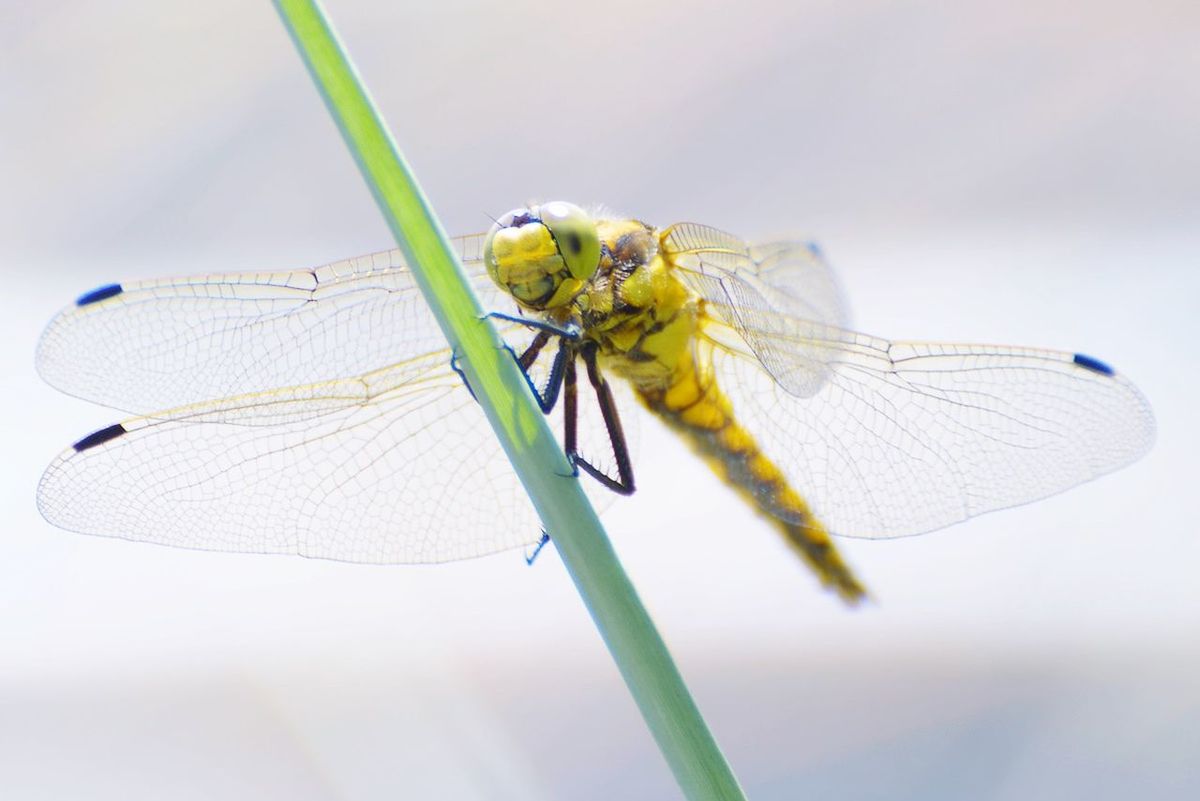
755,290
903,437
394,466
158,344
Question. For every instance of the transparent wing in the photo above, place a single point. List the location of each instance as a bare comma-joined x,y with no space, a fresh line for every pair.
158,344
753,288
903,437
396,465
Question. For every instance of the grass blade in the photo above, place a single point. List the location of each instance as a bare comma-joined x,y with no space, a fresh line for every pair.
640,654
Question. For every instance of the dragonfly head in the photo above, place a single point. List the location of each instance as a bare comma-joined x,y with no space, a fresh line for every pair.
543,255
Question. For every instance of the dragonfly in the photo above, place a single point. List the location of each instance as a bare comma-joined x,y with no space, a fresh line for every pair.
320,412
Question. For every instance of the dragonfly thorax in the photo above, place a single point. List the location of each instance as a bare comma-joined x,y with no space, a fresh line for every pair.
544,255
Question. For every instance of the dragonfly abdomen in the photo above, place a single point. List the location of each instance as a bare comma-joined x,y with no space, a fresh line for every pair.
696,408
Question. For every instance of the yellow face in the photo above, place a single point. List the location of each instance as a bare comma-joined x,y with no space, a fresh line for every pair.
544,255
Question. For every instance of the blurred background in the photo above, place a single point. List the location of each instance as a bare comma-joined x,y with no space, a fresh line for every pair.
999,172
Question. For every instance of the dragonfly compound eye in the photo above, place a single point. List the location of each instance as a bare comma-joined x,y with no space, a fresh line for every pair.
575,233
543,256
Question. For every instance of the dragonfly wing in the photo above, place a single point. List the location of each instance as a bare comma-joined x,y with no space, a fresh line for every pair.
394,466
750,288
904,437
157,344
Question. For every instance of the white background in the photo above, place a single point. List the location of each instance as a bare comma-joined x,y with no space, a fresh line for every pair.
1024,173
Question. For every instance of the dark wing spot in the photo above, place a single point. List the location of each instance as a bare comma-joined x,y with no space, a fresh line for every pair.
1095,365
99,294
99,437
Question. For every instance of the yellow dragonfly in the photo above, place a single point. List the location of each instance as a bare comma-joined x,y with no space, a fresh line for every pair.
319,412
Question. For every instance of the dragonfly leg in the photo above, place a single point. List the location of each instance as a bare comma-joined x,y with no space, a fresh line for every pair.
568,331
555,382
534,350
456,368
537,549
548,397
570,415
623,484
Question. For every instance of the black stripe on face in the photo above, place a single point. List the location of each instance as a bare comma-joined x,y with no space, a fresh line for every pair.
99,437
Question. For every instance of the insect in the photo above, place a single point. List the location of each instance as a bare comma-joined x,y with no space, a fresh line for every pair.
318,412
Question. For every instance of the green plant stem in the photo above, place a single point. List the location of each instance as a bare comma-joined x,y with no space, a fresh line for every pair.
640,654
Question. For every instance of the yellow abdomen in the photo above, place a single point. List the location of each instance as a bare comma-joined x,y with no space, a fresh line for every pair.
695,407
646,323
